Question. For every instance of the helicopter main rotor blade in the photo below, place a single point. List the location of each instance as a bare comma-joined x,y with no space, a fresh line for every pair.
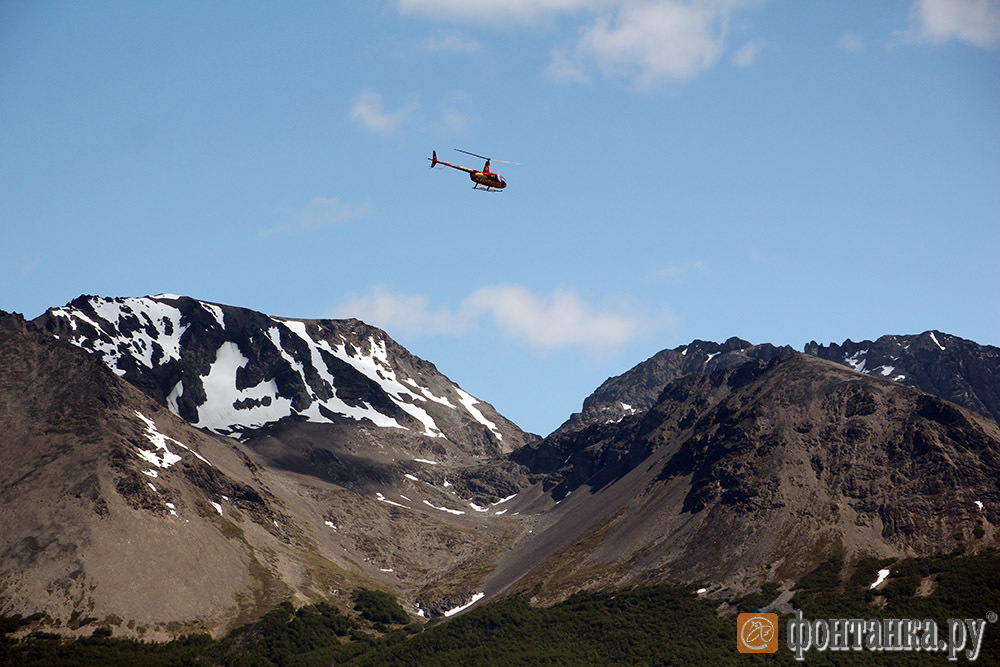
483,157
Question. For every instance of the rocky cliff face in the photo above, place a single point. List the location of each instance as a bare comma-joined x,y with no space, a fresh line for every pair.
953,368
637,389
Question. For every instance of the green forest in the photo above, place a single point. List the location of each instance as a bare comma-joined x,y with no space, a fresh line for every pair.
643,625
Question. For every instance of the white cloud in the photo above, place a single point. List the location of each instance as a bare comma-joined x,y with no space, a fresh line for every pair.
496,10
975,22
369,112
559,319
451,44
654,41
851,43
644,41
321,213
556,320
403,312
651,41
565,67
747,55
678,271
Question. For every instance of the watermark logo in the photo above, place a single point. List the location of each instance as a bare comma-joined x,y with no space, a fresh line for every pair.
962,637
757,633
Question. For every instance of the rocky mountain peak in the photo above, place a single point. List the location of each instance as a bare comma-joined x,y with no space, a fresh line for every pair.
637,389
235,371
953,368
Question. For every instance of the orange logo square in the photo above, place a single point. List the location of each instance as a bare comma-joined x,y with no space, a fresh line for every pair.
757,633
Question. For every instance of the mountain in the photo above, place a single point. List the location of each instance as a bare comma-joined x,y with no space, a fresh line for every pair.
637,389
116,511
953,368
236,372
754,474
171,465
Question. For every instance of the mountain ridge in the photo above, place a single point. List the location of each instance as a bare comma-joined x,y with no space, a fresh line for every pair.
339,458
233,370
959,370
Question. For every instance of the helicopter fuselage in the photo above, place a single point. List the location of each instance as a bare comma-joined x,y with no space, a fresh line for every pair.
488,179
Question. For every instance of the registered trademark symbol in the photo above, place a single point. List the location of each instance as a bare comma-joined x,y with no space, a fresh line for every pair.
991,616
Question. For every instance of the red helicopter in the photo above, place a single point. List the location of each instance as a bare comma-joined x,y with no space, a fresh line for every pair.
488,179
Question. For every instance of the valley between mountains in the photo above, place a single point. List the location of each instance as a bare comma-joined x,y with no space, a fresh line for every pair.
169,466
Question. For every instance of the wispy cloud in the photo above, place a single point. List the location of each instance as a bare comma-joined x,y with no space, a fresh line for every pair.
655,41
491,11
747,55
369,112
645,42
678,271
451,43
566,66
558,319
454,122
851,43
320,213
975,22
410,313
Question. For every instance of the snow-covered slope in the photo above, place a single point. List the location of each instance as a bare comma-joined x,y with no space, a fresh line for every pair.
233,371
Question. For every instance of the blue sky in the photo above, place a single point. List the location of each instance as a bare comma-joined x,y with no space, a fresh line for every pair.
779,171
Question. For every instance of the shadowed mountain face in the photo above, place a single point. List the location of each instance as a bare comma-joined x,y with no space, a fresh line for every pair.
757,473
638,389
953,368
946,366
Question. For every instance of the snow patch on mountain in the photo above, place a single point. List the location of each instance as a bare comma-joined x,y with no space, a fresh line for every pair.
382,498
857,360
375,366
155,330
443,509
469,401
882,576
475,598
227,408
333,404
162,457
